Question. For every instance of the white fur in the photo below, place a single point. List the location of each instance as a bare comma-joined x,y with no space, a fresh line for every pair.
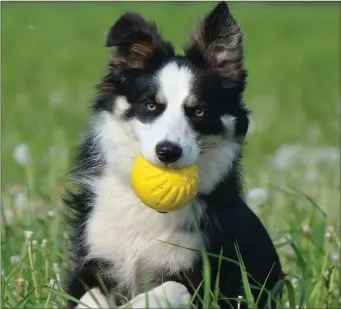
167,295
123,230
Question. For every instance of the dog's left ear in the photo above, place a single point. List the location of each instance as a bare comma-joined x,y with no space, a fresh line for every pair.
217,45
137,43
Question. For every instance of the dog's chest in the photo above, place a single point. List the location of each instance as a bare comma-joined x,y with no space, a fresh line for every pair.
139,241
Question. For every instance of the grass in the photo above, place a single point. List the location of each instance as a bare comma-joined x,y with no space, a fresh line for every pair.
53,54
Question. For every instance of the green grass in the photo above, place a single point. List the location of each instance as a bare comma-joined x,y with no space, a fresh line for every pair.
53,54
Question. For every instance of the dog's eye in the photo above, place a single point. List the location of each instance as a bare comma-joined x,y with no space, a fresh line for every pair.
199,112
151,106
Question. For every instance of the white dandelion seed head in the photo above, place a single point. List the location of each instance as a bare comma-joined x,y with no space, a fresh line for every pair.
28,234
56,268
306,228
294,282
14,260
50,214
31,27
328,235
52,283
44,243
22,154
330,229
334,257
326,274
257,196
34,244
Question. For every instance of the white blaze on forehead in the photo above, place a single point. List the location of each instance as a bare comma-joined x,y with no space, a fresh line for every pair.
175,83
172,124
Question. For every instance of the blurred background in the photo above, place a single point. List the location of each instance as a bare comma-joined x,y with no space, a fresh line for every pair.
53,54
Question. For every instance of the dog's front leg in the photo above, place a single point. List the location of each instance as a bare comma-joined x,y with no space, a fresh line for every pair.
167,295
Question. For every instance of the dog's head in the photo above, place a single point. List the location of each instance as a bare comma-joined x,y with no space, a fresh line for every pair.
178,107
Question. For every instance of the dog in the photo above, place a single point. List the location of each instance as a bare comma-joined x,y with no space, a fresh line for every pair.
175,110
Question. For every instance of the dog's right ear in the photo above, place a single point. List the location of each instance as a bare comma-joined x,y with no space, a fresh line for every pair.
137,43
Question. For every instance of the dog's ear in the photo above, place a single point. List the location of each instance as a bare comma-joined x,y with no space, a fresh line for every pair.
216,45
136,43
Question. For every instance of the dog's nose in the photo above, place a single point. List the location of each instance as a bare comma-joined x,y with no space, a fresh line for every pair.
168,152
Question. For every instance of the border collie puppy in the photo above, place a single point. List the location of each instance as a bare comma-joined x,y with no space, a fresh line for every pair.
175,110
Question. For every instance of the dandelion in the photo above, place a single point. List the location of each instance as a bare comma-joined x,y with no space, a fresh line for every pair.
240,298
50,214
57,271
28,234
257,196
34,244
326,274
52,283
330,229
22,155
334,257
44,244
306,229
329,233
31,27
14,260
294,283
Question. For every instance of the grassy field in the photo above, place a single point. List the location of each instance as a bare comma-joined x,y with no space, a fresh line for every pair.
52,56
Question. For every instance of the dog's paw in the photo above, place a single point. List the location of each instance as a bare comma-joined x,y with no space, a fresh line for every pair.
93,299
176,294
168,295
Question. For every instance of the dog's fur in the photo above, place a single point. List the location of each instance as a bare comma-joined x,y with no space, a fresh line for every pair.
150,95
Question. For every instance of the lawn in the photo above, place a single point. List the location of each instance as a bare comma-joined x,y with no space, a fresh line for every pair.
52,56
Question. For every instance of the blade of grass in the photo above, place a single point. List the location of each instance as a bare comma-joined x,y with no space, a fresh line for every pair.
245,281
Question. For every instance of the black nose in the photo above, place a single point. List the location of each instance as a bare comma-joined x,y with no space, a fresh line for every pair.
168,152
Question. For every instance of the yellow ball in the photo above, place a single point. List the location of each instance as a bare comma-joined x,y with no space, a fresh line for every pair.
164,189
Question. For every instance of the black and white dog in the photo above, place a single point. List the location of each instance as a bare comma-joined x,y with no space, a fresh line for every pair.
175,111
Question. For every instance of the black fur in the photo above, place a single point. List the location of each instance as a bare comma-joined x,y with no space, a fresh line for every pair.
215,54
